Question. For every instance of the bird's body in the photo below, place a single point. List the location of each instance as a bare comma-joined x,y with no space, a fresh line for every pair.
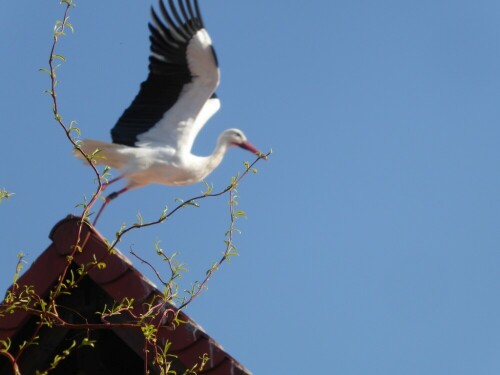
153,139
143,166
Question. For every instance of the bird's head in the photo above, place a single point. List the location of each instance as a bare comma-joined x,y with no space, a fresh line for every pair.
235,137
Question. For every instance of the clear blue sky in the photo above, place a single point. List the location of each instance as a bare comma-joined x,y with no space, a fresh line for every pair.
372,243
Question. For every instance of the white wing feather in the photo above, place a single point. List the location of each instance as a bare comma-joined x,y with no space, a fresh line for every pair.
181,124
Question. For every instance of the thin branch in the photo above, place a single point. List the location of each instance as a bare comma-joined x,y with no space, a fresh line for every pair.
188,202
153,268
12,360
213,269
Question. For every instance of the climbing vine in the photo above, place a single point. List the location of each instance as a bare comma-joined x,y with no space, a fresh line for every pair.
47,309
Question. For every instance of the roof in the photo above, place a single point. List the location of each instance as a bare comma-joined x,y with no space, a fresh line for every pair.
118,280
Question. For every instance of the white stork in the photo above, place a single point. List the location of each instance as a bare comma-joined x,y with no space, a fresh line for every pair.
153,138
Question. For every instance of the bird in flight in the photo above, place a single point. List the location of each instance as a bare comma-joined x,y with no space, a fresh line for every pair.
153,138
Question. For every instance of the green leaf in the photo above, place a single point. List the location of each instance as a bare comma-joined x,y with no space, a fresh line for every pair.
208,188
139,219
163,215
87,342
69,26
57,56
72,127
192,203
4,194
240,213
6,345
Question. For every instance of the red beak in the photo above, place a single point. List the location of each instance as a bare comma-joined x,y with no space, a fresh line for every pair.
248,146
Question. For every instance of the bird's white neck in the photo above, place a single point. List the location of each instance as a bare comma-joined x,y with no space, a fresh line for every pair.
215,159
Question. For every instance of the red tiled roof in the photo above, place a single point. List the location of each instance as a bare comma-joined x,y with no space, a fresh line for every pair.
119,279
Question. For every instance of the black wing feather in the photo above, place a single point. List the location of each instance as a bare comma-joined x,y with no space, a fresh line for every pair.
168,70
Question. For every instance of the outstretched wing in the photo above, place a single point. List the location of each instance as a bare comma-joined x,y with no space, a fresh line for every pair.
178,96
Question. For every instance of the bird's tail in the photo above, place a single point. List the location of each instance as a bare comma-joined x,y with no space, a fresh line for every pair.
104,153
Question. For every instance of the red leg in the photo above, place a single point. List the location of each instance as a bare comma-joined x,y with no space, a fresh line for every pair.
108,199
105,185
